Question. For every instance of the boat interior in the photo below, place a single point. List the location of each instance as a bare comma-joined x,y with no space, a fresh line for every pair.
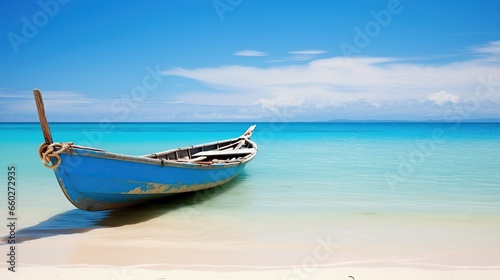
234,150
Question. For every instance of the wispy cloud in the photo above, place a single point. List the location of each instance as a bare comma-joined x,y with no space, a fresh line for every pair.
61,105
308,52
250,53
280,101
491,51
301,55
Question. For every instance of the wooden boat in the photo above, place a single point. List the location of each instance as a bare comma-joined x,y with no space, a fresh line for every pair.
93,179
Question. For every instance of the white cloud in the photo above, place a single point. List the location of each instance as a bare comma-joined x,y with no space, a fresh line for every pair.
443,97
375,105
489,53
277,102
490,48
308,52
174,102
383,83
341,79
301,55
250,53
65,106
15,95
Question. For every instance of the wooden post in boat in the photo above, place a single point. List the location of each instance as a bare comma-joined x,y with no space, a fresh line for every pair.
41,115
249,132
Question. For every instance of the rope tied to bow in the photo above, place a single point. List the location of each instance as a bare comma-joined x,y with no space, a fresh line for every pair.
48,151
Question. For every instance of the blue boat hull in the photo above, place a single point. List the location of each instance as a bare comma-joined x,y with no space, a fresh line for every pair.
97,180
94,179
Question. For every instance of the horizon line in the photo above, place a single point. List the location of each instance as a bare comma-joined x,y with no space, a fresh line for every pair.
481,120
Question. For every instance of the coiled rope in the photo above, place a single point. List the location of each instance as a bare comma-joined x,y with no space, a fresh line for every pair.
46,152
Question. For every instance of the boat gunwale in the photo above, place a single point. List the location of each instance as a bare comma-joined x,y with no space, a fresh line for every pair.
148,159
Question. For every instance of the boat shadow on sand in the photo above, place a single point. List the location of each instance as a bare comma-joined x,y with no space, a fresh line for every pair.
80,221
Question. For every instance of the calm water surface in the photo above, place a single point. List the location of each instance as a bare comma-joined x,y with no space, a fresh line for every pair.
307,179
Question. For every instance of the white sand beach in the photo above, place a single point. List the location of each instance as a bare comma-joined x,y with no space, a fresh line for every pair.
197,251
341,273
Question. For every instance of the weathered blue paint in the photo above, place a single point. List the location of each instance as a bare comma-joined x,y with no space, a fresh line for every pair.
98,180
93,179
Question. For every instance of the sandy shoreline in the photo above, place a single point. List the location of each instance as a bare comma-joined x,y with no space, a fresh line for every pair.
119,254
153,243
340,273
222,247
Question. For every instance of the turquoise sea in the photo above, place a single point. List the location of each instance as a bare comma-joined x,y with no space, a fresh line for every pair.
396,191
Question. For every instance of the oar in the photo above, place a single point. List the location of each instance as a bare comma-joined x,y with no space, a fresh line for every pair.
42,117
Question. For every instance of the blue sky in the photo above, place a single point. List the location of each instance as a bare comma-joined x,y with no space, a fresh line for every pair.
250,60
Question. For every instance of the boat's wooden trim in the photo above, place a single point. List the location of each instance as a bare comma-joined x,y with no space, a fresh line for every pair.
224,153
